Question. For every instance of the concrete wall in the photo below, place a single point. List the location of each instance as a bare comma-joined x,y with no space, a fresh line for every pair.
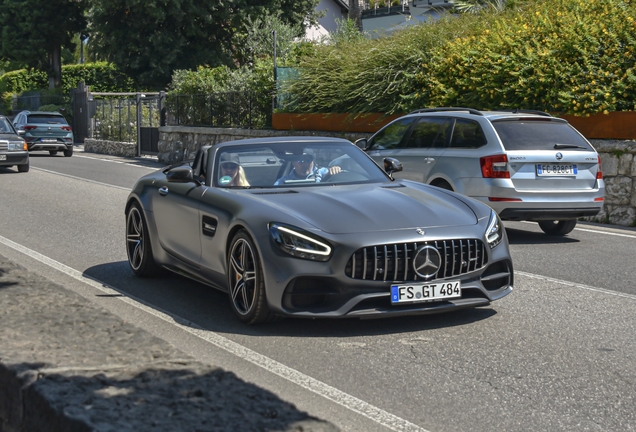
618,158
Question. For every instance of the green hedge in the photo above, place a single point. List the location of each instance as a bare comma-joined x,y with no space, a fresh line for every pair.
571,56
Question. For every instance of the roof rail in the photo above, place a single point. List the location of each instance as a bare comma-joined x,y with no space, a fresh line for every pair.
524,111
470,110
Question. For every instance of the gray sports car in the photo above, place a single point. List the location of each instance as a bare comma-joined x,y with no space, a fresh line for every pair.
313,227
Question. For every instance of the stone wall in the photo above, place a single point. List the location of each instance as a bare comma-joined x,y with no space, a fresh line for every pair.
114,148
177,143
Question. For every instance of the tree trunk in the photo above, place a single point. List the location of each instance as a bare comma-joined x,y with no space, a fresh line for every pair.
55,68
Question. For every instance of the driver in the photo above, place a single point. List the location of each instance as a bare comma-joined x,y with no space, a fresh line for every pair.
305,169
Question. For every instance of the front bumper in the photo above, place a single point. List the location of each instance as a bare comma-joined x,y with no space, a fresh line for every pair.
15,158
302,288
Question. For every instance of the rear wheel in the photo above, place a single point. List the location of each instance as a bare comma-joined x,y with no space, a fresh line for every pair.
24,168
443,185
52,152
68,152
245,281
560,228
138,246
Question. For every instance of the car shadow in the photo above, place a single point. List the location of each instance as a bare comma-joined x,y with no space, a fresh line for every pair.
523,237
7,170
199,306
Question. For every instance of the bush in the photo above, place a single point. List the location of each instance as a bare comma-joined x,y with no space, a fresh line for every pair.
575,57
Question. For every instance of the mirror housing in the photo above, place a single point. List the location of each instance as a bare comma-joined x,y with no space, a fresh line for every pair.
21,132
181,174
392,165
362,143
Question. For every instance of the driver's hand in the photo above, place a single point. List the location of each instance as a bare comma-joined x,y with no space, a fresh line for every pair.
334,170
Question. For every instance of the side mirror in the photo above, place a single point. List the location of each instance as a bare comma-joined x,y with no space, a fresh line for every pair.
21,132
392,165
181,174
362,143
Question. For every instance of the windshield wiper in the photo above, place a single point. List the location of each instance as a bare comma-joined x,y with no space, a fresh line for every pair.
564,146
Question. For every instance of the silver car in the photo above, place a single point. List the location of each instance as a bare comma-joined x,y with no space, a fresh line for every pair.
526,165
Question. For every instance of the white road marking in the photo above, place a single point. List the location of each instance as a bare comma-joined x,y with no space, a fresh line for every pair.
576,285
352,403
126,162
594,231
81,178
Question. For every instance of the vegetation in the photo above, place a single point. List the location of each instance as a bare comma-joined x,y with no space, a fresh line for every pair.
149,39
571,56
35,32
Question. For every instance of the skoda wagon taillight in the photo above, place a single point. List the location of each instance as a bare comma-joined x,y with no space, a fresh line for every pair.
494,166
599,172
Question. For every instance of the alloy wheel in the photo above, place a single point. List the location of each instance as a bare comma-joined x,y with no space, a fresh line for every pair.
135,238
242,276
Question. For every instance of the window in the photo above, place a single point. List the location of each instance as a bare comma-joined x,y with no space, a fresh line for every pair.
467,134
429,132
391,136
48,119
539,135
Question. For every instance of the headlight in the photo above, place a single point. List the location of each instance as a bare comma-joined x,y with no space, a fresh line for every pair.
17,146
299,243
494,232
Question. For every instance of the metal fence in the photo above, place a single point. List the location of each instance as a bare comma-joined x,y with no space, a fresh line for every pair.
33,102
248,110
113,119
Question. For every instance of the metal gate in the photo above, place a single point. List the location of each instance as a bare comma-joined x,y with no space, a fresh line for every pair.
150,115
123,117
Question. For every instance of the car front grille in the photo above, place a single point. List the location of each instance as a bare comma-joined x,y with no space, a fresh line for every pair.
394,262
4,145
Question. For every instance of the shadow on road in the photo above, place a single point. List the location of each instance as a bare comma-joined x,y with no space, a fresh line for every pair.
519,236
200,306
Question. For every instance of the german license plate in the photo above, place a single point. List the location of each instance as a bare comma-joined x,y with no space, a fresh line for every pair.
3,157
412,293
556,170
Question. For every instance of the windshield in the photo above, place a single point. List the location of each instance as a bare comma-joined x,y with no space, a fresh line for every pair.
5,126
294,164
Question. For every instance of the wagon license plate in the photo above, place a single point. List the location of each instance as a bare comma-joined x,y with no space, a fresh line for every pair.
3,157
412,293
556,170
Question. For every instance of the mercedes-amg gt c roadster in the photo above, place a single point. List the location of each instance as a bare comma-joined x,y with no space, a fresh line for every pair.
312,227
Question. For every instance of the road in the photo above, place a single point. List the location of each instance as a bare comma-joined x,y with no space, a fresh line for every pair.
559,353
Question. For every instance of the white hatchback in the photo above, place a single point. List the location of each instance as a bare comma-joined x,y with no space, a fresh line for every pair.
526,165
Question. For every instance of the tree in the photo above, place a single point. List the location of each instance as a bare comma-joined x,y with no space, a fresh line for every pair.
149,39
34,33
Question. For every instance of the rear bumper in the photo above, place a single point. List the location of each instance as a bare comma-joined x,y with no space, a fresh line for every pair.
33,146
532,214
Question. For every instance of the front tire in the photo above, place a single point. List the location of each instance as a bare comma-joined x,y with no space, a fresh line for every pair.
248,297
24,168
559,228
138,246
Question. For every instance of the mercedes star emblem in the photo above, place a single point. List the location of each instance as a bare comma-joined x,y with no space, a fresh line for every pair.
427,262
420,231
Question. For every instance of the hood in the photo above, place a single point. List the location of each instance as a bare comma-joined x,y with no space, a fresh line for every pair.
368,208
10,137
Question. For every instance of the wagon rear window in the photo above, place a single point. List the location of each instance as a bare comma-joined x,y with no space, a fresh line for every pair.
539,135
